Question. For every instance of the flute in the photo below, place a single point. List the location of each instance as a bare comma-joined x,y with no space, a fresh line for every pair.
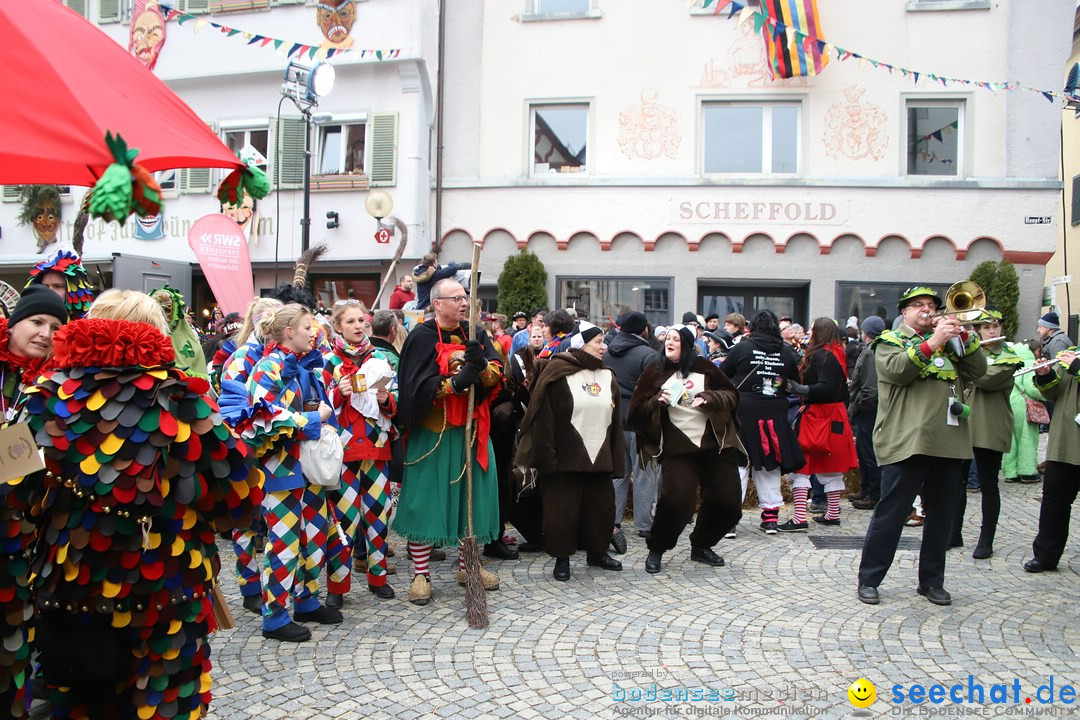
991,340
1037,366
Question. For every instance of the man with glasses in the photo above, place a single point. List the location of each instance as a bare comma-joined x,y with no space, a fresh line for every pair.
438,367
921,436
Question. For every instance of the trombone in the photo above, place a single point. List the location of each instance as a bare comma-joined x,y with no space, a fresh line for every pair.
965,300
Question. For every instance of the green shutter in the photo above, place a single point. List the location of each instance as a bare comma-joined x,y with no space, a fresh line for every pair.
108,11
384,137
194,181
195,7
11,193
287,151
78,6
1075,219
285,2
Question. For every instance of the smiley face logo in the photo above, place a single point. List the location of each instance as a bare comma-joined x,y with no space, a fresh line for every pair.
862,693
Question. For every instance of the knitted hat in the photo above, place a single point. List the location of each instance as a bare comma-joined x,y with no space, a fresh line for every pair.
38,300
873,326
853,322
1050,320
659,330
712,316
583,338
632,322
689,317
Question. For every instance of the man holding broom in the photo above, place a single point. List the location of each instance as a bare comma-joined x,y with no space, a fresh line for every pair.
439,365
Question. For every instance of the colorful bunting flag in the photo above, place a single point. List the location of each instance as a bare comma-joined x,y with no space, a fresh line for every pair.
786,17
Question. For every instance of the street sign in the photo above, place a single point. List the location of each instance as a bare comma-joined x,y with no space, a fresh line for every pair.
1063,280
383,236
1037,220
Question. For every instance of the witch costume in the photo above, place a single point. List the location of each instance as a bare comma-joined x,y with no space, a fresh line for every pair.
140,473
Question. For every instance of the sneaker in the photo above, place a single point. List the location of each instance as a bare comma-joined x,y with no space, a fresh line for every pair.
822,520
769,527
420,590
914,520
322,615
289,632
490,579
792,526
731,534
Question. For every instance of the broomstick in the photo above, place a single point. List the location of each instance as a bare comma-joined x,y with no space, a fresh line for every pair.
475,596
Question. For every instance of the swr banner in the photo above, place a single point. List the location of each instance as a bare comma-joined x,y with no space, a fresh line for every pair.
222,252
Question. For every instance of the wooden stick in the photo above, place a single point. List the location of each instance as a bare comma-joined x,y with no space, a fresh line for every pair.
404,230
475,596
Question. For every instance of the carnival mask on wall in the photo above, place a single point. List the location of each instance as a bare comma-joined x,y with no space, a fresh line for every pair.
335,19
147,32
41,209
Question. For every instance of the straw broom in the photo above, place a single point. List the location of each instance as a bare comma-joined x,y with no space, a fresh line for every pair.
475,596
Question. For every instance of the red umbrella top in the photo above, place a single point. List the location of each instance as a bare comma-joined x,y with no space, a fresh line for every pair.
66,83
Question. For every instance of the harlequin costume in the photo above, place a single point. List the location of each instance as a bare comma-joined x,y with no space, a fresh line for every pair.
237,412
16,535
432,507
362,505
140,472
80,292
294,509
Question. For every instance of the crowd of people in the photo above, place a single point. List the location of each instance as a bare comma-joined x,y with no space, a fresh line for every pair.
306,437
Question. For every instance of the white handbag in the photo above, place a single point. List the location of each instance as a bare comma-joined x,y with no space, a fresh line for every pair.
321,459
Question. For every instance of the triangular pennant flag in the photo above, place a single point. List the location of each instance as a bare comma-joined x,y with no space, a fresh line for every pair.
231,32
277,44
295,49
200,24
1048,96
745,15
252,39
759,22
310,51
862,63
265,41
916,76
247,35
378,54
330,53
734,7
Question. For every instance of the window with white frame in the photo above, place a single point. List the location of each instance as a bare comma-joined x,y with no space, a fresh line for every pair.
168,180
751,138
559,138
559,7
251,138
934,132
341,149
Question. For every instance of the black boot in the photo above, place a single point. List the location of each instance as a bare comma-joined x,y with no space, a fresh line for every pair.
653,562
707,556
335,601
562,569
500,550
253,603
985,547
604,561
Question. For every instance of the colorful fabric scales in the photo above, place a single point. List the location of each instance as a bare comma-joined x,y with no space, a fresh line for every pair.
140,473
80,292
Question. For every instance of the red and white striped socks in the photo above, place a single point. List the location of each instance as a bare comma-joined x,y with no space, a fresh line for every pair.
420,556
799,496
833,511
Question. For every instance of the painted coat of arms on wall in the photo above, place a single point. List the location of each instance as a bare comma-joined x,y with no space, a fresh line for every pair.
854,128
649,130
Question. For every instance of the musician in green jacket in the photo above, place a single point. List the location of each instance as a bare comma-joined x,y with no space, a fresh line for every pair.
991,430
1060,384
920,437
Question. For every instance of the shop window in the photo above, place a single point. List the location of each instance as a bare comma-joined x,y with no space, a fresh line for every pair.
341,149
863,299
934,129
560,9
328,290
602,300
560,136
751,138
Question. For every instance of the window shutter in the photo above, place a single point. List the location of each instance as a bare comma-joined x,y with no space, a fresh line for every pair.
11,193
195,7
287,153
384,137
286,2
195,181
108,11
1075,219
78,6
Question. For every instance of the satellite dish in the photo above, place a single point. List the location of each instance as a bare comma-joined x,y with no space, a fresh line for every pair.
9,296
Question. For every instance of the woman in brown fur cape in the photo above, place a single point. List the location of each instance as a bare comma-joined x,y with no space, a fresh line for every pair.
572,435
683,410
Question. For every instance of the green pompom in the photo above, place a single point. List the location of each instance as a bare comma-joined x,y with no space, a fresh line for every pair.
256,182
112,197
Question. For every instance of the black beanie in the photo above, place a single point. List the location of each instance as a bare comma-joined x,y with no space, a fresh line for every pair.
632,322
38,300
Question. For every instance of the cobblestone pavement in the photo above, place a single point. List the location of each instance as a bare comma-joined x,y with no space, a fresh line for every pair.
780,618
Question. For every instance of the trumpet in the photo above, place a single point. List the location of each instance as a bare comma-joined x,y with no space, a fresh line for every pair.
1037,366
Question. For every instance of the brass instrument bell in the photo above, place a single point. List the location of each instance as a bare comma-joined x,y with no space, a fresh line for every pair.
966,300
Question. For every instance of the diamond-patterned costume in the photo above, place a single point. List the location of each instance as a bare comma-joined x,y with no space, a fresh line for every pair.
140,473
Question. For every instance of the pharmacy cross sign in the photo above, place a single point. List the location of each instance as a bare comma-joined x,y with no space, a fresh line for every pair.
382,236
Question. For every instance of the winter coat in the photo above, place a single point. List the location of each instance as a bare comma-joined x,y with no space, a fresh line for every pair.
1062,387
913,397
863,388
400,296
628,355
424,276
1054,343
824,376
991,409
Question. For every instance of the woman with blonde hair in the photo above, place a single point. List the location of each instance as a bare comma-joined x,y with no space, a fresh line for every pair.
363,389
134,449
287,382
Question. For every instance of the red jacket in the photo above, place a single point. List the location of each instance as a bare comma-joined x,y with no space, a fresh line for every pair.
399,297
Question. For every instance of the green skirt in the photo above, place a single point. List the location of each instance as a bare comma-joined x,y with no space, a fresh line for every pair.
433,505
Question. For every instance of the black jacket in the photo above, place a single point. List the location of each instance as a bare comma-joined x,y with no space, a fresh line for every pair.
627,356
863,389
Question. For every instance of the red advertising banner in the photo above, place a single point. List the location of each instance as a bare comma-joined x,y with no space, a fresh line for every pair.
222,252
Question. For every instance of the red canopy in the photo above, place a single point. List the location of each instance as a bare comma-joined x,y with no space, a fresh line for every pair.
64,83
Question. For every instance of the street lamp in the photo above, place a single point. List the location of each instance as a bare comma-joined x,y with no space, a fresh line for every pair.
304,86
